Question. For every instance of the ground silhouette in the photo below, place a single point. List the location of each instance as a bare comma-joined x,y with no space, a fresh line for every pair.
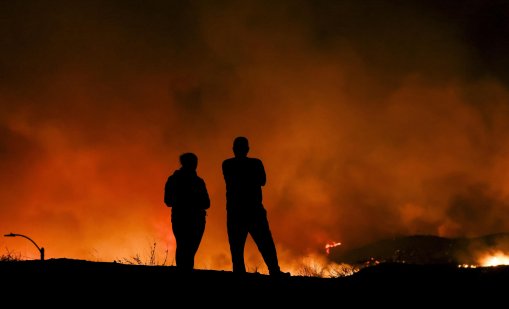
69,282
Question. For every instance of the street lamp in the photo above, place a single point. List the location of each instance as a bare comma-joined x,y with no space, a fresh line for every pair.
41,250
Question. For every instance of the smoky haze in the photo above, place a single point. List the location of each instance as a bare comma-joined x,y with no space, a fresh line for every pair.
373,119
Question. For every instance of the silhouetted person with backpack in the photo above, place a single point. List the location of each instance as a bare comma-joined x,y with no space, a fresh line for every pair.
244,178
187,195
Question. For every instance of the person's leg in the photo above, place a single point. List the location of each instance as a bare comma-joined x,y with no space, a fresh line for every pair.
177,232
237,235
262,236
183,258
198,228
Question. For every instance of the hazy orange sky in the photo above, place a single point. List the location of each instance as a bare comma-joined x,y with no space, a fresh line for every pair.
374,119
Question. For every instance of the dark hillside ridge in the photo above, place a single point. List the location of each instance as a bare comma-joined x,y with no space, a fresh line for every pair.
423,249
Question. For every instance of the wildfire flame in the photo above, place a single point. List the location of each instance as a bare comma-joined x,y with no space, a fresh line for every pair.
331,244
467,266
495,259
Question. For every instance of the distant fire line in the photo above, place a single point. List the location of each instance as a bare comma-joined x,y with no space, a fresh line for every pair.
331,244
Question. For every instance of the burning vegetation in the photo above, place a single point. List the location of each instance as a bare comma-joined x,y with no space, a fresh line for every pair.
330,245
485,251
495,259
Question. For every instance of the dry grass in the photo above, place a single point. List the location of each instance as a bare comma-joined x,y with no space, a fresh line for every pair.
330,270
10,256
308,268
151,259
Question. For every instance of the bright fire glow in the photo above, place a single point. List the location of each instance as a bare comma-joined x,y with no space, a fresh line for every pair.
495,259
467,266
318,265
331,244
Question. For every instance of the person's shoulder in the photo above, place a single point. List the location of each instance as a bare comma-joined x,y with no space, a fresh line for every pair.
171,178
228,161
178,173
255,161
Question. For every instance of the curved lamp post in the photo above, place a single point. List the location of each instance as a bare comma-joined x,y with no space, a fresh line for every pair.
41,250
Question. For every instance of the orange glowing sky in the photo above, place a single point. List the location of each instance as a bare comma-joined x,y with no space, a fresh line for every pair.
372,119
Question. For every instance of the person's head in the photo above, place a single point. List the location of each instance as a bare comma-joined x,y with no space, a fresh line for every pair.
240,146
189,161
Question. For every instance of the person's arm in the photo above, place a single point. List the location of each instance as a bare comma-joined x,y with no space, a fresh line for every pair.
262,176
205,196
226,173
168,192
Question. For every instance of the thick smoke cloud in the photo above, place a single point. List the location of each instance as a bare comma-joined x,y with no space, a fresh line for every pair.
373,119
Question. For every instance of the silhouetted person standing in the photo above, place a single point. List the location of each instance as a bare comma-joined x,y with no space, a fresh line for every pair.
187,195
244,179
